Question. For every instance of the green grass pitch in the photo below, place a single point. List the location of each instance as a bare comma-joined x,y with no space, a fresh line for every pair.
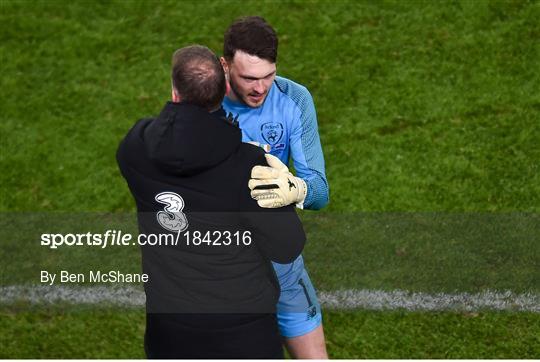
428,109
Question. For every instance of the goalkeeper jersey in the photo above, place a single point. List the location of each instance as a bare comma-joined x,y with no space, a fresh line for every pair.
287,122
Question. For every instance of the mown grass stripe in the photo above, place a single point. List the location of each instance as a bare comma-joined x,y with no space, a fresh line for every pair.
343,299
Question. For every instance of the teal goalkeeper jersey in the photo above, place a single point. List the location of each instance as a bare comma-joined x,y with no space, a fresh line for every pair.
287,122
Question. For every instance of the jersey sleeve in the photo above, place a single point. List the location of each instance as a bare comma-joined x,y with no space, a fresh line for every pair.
306,150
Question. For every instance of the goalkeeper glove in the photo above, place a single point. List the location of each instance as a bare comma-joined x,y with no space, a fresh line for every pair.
276,186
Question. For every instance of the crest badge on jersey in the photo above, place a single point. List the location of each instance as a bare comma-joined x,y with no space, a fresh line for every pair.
272,132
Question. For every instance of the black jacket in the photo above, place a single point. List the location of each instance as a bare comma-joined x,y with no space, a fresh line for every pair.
187,155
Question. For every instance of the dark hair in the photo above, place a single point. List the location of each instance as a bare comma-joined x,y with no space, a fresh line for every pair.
252,35
198,77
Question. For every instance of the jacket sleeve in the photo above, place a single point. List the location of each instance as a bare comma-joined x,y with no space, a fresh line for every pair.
278,233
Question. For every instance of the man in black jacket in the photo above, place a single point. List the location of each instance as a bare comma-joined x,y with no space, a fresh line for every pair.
213,293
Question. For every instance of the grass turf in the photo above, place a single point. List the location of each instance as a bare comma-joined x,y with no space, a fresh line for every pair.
360,334
422,106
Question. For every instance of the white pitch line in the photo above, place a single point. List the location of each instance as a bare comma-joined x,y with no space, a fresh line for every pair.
399,299
344,299
43,294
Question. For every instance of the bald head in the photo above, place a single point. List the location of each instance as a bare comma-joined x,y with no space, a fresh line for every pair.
198,77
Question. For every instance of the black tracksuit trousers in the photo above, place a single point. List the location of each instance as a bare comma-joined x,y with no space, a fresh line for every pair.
212,336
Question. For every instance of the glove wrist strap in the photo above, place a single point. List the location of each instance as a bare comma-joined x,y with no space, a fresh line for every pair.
302,193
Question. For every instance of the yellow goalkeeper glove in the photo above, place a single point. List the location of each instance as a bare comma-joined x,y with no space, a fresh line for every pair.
276,186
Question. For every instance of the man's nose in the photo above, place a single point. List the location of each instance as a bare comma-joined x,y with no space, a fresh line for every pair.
259,86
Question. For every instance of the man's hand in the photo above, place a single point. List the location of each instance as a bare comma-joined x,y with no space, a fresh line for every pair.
276,186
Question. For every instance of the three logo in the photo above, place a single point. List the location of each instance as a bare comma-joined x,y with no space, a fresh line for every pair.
172,218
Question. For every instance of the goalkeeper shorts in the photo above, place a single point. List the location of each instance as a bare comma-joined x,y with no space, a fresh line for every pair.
298,309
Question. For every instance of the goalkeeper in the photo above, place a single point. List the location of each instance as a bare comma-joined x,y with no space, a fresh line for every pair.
279,115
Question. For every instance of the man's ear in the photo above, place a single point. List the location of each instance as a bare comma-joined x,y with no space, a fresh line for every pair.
224,64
